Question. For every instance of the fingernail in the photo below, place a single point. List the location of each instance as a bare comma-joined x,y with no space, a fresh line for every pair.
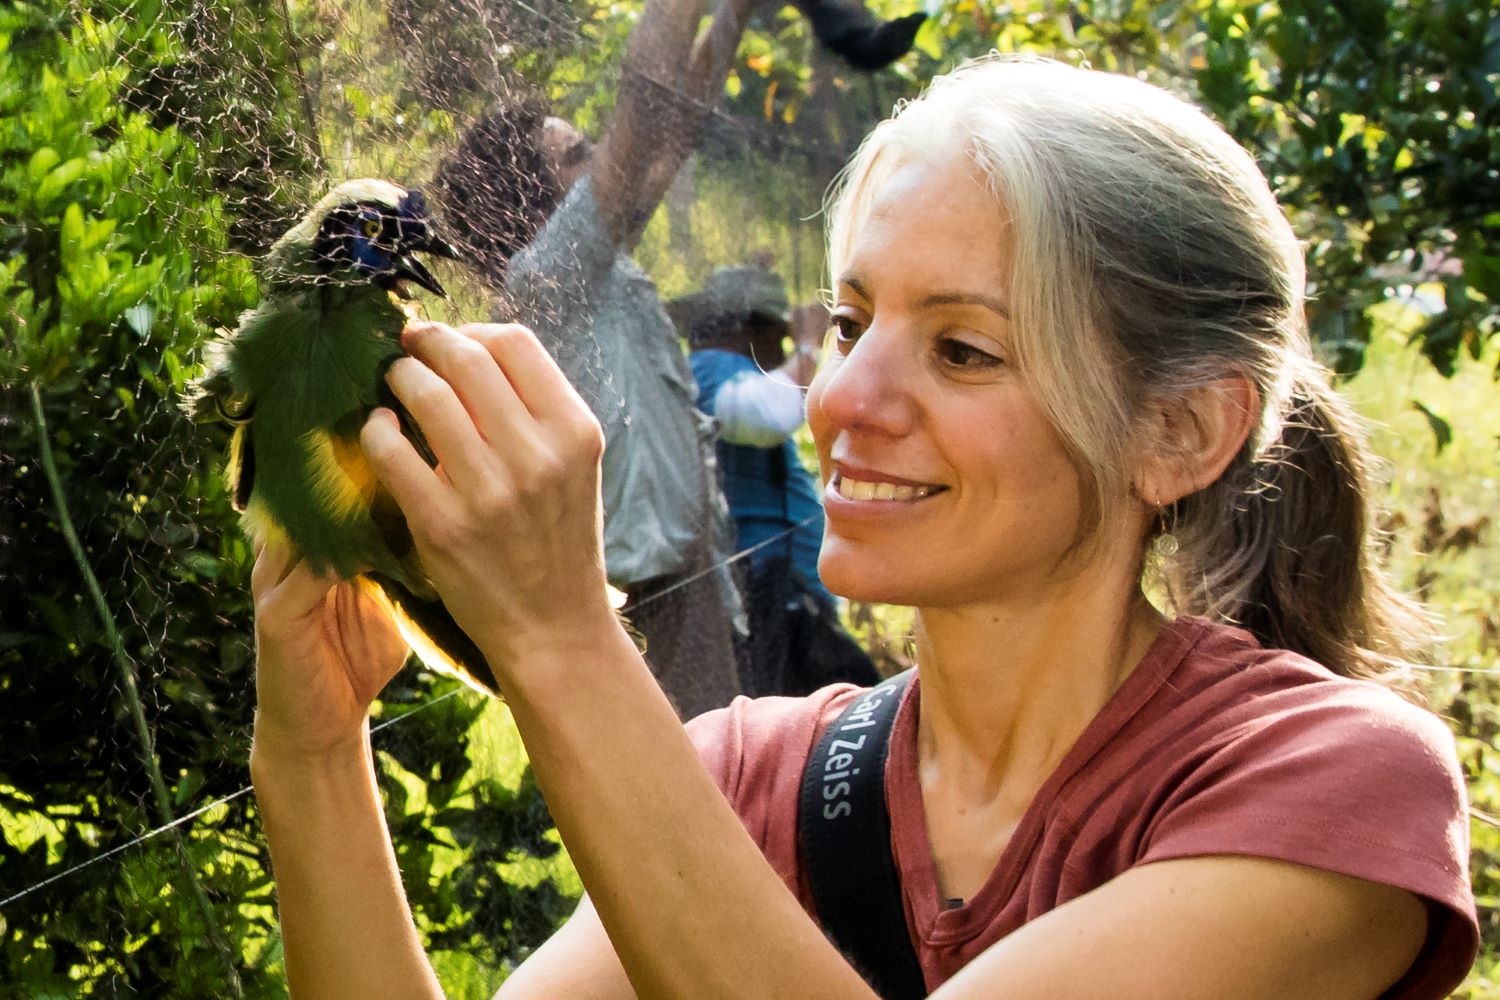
413,331
391,369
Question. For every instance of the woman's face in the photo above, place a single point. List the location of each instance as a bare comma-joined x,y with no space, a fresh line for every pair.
945,483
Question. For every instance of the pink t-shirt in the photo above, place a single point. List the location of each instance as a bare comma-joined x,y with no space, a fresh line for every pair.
1212,745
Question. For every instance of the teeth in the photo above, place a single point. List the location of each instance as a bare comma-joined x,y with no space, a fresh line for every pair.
855,489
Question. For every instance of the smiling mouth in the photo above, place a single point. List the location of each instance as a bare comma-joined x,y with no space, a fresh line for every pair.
859,489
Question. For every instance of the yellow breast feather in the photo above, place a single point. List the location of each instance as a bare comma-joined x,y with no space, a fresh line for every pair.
341,479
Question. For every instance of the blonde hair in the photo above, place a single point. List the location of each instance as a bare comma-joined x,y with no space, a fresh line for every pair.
1149,258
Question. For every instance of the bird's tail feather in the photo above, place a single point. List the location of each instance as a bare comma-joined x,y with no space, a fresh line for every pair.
433,634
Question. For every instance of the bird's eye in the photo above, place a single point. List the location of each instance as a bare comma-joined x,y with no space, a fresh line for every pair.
372,228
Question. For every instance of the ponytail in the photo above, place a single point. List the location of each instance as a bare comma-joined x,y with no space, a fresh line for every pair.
1283,545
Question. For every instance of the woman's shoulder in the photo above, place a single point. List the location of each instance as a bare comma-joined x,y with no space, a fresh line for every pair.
1252,751
1234,712
1240,687
752,742
1274,721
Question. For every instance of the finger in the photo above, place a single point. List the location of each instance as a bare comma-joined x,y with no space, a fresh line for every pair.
538,381
397,465
473,373
272,560
445,423
301,592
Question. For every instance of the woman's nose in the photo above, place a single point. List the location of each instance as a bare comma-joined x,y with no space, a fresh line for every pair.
868,389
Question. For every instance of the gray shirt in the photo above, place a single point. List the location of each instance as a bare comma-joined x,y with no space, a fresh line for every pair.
601,318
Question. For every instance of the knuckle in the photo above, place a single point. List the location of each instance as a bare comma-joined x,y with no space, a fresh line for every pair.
501,336
467,351
436,534
550,470
493,501
586,436
427,395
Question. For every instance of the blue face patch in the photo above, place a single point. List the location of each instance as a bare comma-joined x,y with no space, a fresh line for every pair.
377,241
366,257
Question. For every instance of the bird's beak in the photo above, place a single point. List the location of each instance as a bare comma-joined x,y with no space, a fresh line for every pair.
439,247
408,268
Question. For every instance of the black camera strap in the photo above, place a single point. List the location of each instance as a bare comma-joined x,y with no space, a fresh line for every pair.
844,832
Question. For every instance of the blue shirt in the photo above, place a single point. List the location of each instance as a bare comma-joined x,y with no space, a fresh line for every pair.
761,506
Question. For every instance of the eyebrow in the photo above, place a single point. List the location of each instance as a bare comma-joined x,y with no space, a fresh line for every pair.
989,302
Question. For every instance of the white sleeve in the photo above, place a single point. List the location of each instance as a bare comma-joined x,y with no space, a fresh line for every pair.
759,410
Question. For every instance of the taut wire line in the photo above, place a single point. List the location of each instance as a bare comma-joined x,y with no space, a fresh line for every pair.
165,827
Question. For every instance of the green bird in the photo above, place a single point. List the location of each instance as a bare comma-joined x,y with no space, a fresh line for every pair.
299,376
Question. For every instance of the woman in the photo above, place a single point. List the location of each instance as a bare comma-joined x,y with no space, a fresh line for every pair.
1069,333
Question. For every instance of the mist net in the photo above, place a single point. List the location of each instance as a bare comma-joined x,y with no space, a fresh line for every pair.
150,153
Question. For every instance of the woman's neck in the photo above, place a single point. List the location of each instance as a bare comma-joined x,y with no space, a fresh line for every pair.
1007,690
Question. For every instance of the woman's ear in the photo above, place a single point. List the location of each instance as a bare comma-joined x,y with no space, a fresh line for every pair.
1192,438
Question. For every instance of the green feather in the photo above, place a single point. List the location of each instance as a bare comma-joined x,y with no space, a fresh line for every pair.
300,375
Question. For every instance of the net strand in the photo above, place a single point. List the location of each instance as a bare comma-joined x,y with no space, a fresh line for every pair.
387,723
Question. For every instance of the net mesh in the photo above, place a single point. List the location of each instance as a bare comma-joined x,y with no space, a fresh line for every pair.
150,152
153,150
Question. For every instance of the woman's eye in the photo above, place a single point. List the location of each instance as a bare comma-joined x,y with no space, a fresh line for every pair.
959,354
846,331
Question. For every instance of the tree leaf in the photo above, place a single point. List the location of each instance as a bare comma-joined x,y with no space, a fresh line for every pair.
1442,430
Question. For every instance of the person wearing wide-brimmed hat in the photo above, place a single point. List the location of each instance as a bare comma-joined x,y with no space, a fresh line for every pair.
736,326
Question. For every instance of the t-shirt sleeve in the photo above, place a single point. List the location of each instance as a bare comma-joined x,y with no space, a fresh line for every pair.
755,750
1369,788
716,735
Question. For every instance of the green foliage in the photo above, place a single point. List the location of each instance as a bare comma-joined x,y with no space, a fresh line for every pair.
119,259
1377,123
106,295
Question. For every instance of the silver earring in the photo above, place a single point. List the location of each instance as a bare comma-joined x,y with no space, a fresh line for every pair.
1165,544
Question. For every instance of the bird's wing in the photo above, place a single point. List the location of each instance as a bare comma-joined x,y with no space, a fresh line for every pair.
213,395
848,29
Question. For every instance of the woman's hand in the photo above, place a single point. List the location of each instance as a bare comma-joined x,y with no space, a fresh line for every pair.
509,525
324,650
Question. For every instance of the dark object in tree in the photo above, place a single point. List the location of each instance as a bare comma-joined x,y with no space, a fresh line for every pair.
864,41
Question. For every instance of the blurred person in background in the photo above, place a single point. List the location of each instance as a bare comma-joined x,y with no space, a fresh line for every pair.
550,220
736,326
